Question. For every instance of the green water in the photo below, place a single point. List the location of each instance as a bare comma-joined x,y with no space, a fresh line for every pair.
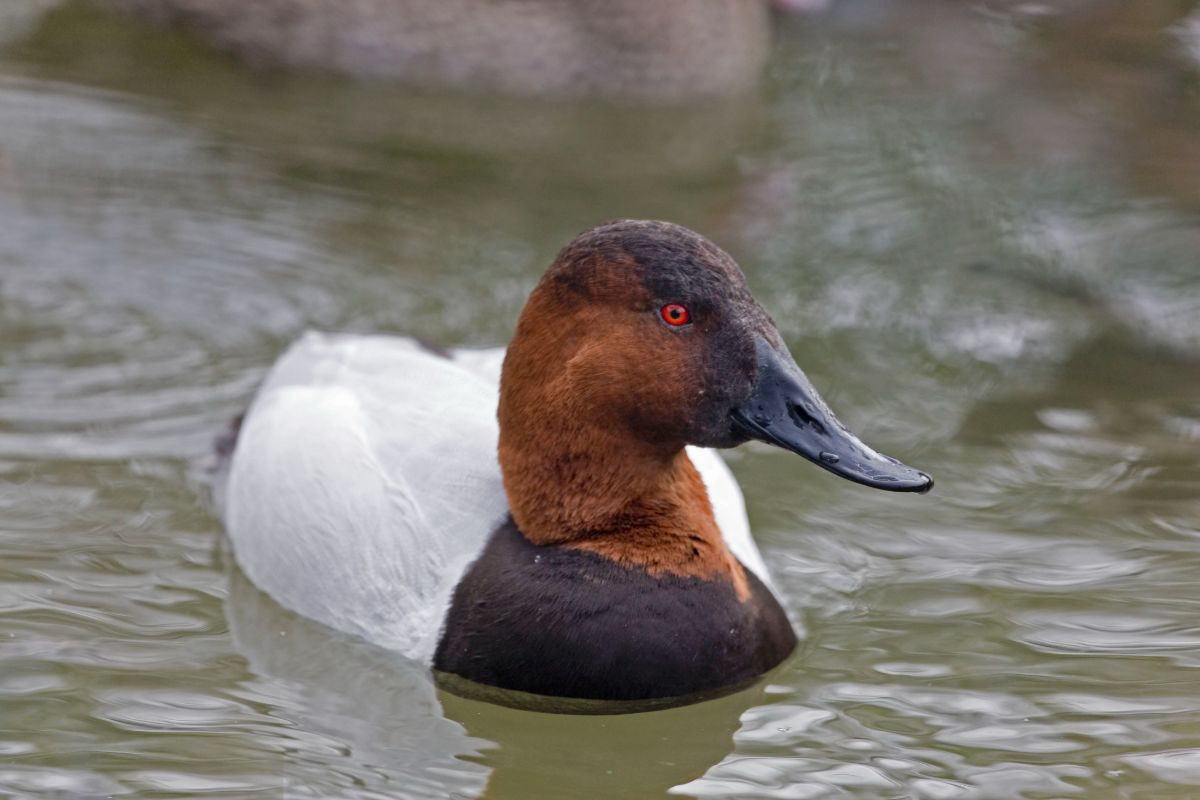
978,225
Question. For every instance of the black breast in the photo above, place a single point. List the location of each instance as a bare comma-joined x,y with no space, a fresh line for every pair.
569,623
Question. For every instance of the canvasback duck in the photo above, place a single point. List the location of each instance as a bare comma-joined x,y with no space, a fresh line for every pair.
669,50
559,526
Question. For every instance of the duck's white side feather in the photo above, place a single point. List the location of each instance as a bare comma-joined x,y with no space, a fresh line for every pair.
365,481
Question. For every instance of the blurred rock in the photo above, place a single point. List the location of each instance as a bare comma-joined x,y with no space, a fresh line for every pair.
628,49
19,17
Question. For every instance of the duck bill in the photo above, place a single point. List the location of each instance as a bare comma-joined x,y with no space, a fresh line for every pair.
785,410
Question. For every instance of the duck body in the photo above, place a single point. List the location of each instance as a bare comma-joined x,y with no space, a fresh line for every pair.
550,519
350,501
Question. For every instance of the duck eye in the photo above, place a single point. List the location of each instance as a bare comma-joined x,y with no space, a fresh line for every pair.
675,315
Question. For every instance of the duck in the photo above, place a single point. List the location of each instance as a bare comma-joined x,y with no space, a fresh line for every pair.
668,50
551,519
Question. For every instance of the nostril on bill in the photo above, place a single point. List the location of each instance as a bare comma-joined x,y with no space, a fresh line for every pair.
803,417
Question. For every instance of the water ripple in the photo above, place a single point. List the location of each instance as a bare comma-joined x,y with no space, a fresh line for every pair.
1027,330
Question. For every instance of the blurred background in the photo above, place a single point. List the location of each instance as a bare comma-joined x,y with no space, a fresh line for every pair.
977,224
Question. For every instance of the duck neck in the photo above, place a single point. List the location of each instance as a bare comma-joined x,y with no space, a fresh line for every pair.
597,487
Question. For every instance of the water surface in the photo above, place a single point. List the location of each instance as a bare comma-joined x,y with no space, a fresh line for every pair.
978,225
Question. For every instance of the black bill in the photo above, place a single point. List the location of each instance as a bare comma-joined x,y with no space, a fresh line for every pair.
785,410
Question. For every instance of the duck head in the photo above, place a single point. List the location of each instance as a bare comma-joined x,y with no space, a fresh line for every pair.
641,338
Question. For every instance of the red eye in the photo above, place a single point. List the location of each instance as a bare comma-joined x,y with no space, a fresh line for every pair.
675,315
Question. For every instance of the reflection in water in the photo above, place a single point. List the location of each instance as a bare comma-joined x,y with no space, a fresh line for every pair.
382,709
386,713
976,226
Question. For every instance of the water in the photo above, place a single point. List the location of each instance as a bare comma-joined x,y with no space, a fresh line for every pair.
978,225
